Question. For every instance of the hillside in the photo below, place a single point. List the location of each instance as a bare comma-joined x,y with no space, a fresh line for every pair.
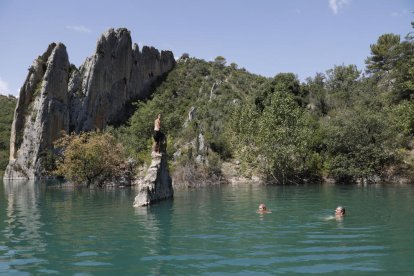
7,106
347,125
344,125
196,101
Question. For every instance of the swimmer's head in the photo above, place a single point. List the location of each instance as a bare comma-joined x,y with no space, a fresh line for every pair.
339,211
262,207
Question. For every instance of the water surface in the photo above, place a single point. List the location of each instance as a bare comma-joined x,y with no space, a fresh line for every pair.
50,228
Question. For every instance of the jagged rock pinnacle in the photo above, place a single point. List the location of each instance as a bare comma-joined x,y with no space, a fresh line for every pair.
57,96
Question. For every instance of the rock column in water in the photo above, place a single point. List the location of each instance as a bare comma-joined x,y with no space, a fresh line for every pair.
157,183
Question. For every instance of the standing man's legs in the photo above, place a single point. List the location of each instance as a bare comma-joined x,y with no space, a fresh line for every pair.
157,140
155,146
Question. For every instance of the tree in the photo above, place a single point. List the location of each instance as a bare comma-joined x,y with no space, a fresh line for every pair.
8,104
383,54
220,61
403,73
275,140
289,83
316,95
403,115
359,143
234,65
90,158
185,55
342,78
392,64
241,132
283,139
341,84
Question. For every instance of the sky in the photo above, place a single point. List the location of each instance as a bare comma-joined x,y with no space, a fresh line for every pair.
266,37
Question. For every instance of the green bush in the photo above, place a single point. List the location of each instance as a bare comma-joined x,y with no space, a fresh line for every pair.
7,106
90,158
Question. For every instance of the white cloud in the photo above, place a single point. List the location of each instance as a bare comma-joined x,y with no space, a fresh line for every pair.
79,28
399,13
335,5
4,87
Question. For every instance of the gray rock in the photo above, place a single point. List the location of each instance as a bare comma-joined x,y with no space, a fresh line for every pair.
57,96
156,185
190,117
117,74
41,114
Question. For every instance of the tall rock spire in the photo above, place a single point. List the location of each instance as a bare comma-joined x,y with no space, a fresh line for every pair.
41,114
57,96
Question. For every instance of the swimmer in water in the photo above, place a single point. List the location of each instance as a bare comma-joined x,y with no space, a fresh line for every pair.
339,212
262,209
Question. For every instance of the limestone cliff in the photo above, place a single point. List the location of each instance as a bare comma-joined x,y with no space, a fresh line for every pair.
117,74
41,113
57,96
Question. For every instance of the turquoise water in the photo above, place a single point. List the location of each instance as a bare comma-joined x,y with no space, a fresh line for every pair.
49,229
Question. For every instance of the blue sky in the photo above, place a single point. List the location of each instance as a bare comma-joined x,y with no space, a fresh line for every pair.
266,37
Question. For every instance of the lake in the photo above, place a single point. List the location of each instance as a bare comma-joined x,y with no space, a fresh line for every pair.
46,228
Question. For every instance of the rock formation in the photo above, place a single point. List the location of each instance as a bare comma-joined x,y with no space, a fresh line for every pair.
41,113
57,96
157,183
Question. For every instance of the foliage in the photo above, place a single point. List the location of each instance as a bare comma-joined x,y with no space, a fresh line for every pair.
90,158
283,138
339,124
277,139
392,64
341,84
220,61
384,54
316,95
360,143
287,82
195,99
403,115
7,106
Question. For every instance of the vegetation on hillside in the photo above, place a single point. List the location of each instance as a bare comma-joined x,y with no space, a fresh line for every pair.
344,124
7,104
347,124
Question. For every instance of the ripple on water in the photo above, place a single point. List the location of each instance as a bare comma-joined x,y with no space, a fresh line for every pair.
86,254
332,267
180,257
91,263
338,249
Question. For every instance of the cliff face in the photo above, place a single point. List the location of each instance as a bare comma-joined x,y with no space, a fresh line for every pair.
57,96
41,113
115,75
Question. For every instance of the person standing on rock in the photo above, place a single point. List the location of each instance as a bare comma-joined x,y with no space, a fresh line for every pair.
157,135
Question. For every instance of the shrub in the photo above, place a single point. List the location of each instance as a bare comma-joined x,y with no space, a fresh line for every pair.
90,158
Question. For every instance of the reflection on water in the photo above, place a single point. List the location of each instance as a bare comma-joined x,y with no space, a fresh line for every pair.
24,242
151,225
54,228
157,226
